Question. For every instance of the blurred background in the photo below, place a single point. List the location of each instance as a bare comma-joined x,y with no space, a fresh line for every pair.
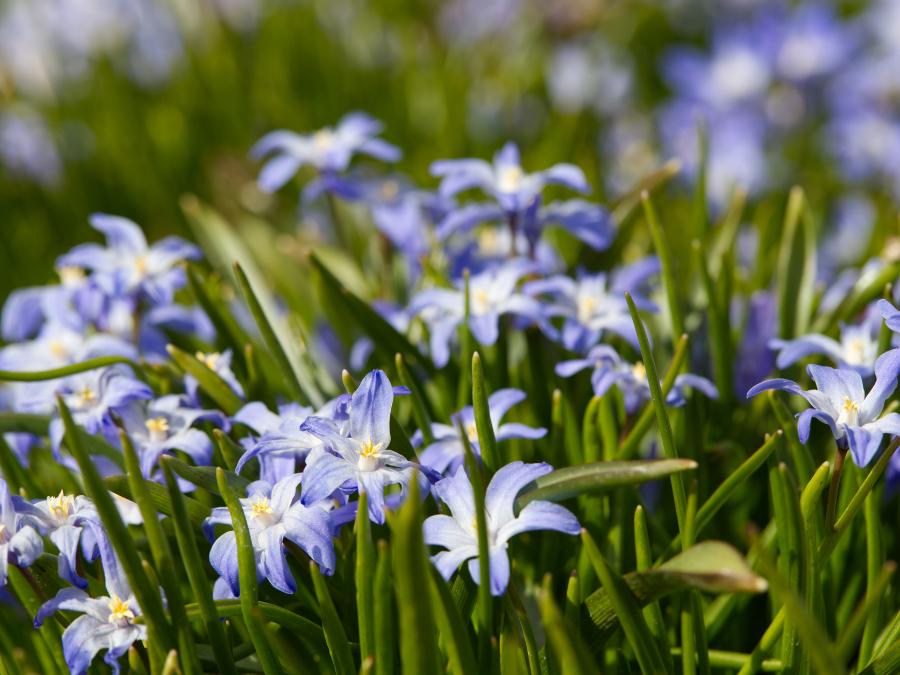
125,106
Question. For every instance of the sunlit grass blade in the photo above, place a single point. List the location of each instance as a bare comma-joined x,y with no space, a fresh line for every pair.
624,205
247,577
208,379
383,610
631,619
227,327
483,424
664,252
147,595
162,558
452,628
667,439
65,371
718,327
644,560
874,567
411,567
599,477
206,476
850,632
193,565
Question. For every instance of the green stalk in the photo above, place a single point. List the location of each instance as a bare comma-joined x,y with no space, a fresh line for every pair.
65,371
364,576
335,636
247,578
483,424
383,610
874,561
665,259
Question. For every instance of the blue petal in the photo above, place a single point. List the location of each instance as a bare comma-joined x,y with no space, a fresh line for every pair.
506,485
370,409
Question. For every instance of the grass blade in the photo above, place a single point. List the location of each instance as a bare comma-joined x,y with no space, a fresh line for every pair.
335,636
208,379
483,423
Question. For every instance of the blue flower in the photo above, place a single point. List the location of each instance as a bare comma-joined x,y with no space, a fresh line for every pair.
492,294
630,378
273,515
458,533
220,364
328,150
166,424
857,349
20,543
840,401
128,266
108,622
595,303
65,518
504,179
447,452
363,459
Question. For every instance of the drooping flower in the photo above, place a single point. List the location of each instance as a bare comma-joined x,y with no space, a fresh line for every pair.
363,459
594,303
128,266
273,514
840,401
20,544
106,623
631,378
328,150
447,451
492,294
64,519
458,532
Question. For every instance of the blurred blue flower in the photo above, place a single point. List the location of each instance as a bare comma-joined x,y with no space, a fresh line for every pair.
857,349
363,459
273,514
631,378
447,452
458,533
128,266
27,149
840,401
594,303
220,364
329,151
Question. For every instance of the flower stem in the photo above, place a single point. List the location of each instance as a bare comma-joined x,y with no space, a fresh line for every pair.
831,505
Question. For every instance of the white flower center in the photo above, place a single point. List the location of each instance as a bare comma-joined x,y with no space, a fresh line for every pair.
856,351
323,139
369,459
481,302
119,612
60,507
86,398
849,413
70,275
587,308
639,372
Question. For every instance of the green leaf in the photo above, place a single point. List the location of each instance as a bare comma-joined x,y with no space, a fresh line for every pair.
886,664
335,636
599,477
65,371
162,557
364,577
206,476
278,339
718,327
412,586
196,512
383,609
24,422
419,402
483,424
370,322
451,628
228,329
185,530
568,648
247,577
664,252
622,207
796,272
711,566
628,610
146,593
209,380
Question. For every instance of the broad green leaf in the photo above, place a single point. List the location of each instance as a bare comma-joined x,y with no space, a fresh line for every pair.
711,566
598,477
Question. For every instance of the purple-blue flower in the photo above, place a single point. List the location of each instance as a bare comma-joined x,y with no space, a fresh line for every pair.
856,350
840,401
363,459
447,451
458,532
492,294
594,303
106,623
504,179
273,514
328,150
127,265
631,378
20,544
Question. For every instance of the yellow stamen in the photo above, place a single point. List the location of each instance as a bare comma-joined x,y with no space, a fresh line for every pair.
87,396
850,406
140,266
210,360
60,506
261,506
158,427
118,610
472,432
58,349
